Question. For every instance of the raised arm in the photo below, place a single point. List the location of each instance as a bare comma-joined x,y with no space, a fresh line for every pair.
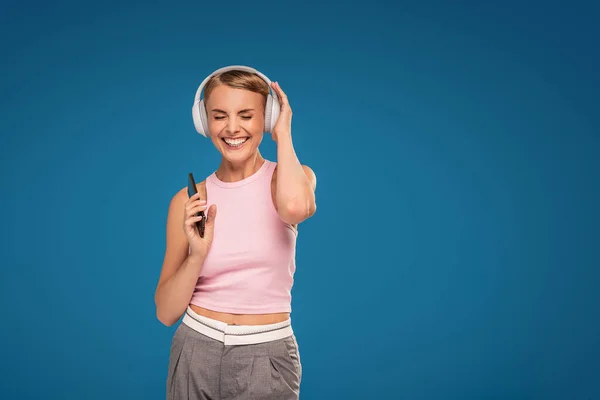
295,183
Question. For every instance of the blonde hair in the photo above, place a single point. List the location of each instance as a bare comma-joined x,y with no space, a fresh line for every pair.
238,80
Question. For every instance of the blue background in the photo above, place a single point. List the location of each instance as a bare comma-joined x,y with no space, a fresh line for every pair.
454,252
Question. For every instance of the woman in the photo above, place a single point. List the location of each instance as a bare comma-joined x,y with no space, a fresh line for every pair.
233,285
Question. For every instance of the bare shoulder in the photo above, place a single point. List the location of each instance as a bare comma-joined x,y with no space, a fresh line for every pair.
177,208
176,212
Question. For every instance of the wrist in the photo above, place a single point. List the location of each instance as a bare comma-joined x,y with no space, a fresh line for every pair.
195,260
284,138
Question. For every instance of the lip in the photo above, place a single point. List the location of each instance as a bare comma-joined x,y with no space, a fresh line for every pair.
231,148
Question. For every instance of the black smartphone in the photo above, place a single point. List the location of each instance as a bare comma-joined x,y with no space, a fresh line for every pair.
192,190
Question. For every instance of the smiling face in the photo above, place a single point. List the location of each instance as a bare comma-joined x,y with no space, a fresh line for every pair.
235,121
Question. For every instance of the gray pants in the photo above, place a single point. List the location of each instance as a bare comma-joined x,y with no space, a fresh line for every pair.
202,368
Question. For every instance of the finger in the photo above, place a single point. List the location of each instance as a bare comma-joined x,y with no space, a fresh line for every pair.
190,225
281,93
193,204
194,197
197,208
211,215
192,220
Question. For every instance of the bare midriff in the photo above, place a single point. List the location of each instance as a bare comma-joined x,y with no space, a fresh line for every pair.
241,319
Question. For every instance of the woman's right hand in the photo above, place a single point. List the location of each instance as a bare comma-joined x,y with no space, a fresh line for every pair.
198,245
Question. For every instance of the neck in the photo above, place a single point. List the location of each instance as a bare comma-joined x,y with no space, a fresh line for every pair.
233,172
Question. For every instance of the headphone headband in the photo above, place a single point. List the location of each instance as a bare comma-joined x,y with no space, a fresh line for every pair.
199,112
230,68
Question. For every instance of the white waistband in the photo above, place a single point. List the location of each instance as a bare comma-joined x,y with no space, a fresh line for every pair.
237,334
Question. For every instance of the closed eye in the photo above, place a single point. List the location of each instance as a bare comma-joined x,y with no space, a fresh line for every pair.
243,117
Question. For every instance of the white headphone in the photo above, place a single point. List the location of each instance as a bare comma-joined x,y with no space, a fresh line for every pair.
199,114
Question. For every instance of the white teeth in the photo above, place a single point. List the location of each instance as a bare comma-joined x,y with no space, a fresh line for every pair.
235,142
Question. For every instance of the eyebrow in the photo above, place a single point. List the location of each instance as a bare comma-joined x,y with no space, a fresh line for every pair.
241,111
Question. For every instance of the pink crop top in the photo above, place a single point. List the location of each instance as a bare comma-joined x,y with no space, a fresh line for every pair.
250,266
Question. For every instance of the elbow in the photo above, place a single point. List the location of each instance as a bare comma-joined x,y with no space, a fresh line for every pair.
295,212
165,319
167,311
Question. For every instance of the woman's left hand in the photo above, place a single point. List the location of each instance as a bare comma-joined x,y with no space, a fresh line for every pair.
283,126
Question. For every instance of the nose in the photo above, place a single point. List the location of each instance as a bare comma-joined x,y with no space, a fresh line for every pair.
233,125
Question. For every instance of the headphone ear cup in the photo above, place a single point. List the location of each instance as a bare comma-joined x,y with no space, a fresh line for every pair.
268,106
203,118
272,109
200,119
